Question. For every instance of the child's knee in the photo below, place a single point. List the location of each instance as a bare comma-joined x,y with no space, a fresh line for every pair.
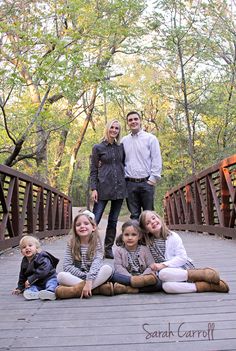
168,287
61,277
107,269
164,275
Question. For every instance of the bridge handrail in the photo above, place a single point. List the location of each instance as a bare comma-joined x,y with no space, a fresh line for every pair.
206,202
29,206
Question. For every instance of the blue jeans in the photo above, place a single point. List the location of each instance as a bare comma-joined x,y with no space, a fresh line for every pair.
140,197
50,285
120,278
126,280
114,212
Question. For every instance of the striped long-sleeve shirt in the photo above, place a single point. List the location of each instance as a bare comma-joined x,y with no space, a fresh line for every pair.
85,269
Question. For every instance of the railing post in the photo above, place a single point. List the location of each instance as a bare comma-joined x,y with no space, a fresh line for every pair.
30,211
225,204
15,208
189,217
197,205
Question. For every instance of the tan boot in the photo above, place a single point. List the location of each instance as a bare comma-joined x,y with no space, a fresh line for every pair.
67,292
208,275
207,287
139,281
124,289
104,289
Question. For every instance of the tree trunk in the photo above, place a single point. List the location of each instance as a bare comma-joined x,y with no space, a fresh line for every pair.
58,158
80,139
186,107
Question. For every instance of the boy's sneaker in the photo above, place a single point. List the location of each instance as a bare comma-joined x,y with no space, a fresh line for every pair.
31,295
47,295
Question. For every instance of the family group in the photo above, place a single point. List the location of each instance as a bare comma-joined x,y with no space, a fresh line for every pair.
148,256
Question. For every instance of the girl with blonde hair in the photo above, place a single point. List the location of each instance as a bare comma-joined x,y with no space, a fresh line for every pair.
172,265
84,272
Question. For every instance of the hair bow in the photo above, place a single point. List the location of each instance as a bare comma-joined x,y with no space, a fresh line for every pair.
89,214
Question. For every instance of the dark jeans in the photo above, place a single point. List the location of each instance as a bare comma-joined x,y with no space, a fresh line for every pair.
140,197
114,212
120,278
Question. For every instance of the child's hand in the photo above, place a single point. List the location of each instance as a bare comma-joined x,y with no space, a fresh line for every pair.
27,284
16,292
87,290
156,267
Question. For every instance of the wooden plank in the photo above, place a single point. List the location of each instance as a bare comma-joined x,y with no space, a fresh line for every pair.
104,323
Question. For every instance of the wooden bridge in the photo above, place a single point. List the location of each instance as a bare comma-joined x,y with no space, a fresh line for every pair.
144,322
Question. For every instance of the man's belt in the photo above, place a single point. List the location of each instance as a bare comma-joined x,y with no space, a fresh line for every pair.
137,180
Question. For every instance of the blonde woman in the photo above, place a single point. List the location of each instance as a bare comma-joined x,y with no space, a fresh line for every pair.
107,180
84,272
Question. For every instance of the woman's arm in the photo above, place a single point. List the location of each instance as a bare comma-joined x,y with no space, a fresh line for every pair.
94,164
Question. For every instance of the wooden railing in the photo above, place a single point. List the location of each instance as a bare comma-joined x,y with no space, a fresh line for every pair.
206,202
28,206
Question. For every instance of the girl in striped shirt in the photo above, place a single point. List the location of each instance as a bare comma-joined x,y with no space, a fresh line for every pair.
84,272
172,264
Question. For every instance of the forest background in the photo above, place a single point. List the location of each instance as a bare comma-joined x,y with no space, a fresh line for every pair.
67,67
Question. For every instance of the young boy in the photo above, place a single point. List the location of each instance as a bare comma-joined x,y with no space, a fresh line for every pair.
37,277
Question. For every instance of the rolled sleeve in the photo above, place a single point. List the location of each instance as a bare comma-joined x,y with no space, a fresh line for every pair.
156,160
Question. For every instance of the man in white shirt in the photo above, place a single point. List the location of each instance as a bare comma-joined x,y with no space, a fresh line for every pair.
143,166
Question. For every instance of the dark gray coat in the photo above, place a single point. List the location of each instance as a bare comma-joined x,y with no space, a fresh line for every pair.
107,171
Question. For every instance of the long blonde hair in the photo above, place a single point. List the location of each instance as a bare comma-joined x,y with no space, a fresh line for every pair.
149,238
107,128
75,243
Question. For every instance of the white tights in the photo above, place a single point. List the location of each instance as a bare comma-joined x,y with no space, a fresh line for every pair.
68,279
174,281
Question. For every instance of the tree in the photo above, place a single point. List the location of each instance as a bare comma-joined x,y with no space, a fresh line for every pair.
55,51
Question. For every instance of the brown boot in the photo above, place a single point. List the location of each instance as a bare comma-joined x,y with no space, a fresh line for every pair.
124,289
208,275
139,281
207,287
67,292
104,289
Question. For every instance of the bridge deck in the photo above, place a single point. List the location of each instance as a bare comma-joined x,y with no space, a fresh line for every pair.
118,322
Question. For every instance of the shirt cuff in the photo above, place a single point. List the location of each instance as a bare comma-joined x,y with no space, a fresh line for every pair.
155,179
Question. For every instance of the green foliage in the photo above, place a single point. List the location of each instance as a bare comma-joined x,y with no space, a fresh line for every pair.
175,65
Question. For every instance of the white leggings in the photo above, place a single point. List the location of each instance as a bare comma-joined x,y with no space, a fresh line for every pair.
68,279
174,281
